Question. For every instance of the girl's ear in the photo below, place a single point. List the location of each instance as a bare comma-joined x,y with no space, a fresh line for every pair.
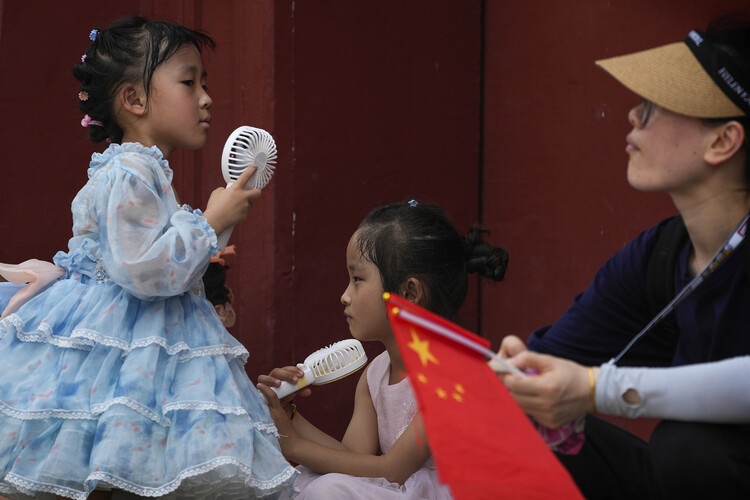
132,99
413,291
728,140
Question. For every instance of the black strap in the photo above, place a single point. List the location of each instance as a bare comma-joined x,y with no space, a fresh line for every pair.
661,268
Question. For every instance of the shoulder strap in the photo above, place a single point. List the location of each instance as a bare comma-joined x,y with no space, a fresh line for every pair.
661,268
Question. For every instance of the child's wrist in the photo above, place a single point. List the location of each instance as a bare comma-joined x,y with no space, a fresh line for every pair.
216,225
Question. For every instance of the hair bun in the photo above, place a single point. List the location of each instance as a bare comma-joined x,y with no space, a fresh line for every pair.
481,257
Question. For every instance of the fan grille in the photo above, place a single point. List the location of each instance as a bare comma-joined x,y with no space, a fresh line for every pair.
248,146
337,360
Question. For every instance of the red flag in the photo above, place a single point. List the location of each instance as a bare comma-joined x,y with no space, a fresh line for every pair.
484,446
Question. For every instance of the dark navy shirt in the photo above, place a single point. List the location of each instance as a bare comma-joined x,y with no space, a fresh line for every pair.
713,322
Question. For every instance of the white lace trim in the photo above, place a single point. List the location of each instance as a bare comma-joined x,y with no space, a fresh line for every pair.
216,350
5,325
203,405
137,407
93,336
197,470
267,428
85,339
98,409
44,334
31,487
44,414
180,347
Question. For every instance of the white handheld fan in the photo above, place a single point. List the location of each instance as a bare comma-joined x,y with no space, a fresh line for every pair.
326,365
247,146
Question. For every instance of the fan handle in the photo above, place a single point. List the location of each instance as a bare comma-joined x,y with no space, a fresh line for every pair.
223,238
287,388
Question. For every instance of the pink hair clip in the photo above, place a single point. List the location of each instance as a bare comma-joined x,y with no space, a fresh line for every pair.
83,96
87,121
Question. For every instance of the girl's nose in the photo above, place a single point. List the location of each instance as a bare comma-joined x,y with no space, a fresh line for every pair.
206,101
345,300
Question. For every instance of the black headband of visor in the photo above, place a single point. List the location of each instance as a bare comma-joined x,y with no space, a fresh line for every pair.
721,69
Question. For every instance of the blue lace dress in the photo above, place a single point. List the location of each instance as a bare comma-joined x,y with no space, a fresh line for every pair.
118,375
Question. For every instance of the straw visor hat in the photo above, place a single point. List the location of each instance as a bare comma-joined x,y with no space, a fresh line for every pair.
672,77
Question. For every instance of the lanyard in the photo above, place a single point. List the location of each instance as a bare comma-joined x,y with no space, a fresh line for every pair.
725,251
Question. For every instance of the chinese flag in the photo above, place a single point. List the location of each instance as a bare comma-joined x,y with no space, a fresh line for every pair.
484,446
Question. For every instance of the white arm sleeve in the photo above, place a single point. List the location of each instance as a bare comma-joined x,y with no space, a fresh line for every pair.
716,392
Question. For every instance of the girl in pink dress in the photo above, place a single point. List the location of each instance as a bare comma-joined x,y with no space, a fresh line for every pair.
412,250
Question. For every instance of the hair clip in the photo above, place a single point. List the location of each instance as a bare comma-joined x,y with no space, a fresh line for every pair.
83,96
92,35
87,121
413,203
83,57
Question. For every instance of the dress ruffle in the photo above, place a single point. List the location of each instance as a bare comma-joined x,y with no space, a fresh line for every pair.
98,389
117,375
99,160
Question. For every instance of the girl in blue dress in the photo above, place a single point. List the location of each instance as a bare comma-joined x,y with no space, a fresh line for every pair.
119,375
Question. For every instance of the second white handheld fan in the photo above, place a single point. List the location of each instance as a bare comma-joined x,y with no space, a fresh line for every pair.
326,365
245,147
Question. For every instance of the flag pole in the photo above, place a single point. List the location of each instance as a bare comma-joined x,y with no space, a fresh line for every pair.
445,332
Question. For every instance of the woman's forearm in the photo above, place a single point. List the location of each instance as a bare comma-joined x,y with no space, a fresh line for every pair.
706,392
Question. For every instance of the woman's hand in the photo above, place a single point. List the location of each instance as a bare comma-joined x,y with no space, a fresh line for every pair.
511,346
229,206
559,393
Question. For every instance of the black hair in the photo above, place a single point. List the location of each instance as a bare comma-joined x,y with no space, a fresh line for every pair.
214,280
406,241
128,52
731,34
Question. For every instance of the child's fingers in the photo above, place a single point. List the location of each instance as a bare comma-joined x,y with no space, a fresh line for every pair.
241,184
252,194
304,393
271,397
289,374
244,177
269,380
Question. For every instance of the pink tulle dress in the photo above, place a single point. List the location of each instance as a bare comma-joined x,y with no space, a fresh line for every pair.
395,406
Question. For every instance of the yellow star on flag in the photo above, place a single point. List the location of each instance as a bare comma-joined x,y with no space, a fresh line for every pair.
422,348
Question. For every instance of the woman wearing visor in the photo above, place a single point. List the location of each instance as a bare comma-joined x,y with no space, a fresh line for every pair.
690,363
